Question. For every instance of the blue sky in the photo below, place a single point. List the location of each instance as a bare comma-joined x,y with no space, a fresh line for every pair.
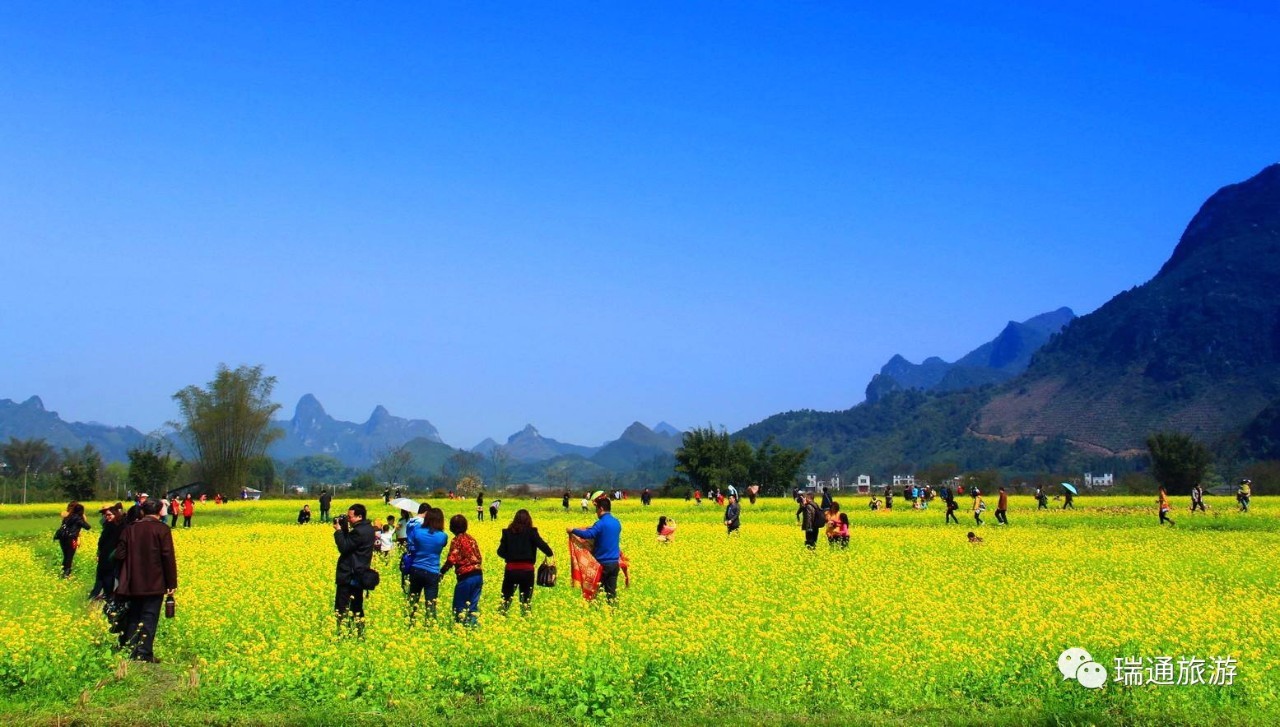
582,215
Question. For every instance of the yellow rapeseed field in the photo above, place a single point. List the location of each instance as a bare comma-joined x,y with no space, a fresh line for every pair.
910,623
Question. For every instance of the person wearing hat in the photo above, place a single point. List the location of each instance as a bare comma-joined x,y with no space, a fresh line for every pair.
135,512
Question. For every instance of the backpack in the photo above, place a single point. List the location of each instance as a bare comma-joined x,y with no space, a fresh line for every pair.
406,561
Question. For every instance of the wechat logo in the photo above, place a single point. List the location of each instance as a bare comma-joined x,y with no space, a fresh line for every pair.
1076,663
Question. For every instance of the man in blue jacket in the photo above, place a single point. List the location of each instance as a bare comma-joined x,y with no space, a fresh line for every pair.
606,535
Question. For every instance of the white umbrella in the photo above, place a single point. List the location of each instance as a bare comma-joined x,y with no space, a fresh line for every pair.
404,503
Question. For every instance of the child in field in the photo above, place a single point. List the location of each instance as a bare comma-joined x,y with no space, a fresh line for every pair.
974,538
979,506
833,524
585,502
842,530
666,529
386,540
875,503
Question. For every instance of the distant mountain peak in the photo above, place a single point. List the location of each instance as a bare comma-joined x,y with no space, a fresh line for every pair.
485,447
665,428
1000,359
309,407
528,431
34,402
1226,221
637,429
314,431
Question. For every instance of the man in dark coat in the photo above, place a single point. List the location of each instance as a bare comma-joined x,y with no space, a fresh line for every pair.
148,573
325,499
354,537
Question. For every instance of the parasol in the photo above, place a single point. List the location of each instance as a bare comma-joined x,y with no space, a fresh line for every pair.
404,503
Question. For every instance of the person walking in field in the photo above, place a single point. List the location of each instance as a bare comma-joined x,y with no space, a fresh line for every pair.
479,508
811,521
68,534
1244,494
519,547
188,511
888,498
426,541
979,506
464,559
1068,500
173,507
1042,500
148,573
1002,507
564,501
1163,503
732,515
1197,498
951,511
606,546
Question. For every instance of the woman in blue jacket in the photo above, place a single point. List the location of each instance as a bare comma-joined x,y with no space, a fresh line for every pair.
425,542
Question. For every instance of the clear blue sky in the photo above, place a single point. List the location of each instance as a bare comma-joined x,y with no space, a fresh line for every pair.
490,214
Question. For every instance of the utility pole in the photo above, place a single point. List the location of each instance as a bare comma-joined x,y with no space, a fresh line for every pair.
25,470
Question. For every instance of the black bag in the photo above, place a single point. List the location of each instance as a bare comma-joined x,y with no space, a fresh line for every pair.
546,575
369,579
62,533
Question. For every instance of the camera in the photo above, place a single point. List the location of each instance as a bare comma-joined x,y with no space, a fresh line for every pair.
342,521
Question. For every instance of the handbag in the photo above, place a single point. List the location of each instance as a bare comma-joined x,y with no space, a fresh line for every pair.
369,579
546,574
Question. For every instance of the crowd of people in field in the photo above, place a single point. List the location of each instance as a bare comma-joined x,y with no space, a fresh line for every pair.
424,554
137,573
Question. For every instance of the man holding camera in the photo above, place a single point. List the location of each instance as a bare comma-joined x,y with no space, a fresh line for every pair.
354,536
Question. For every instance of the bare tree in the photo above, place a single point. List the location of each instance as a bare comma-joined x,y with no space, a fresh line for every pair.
501,461
394,464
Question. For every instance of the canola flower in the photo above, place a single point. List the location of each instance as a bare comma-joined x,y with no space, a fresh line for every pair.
910,619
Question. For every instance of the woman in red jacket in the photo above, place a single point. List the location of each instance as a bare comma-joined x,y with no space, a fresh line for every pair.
188,509
464,558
